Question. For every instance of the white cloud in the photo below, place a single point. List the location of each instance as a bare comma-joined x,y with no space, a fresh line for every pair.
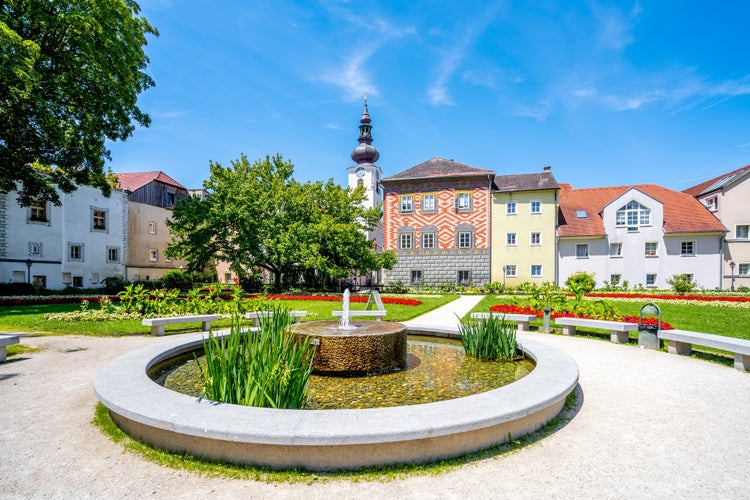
615,28
352,76
540,111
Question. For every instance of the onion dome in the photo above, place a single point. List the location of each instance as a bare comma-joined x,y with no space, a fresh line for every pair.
365,152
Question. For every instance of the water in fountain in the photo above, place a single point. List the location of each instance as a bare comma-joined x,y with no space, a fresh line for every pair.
345,323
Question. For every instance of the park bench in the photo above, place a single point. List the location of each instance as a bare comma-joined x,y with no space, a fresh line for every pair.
255,316
618,330
157,324
6,340
375,312
522,319
681,342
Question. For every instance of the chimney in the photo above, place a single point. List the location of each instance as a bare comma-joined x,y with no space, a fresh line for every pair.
547,168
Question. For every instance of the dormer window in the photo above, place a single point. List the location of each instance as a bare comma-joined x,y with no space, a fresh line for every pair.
633,215
712,203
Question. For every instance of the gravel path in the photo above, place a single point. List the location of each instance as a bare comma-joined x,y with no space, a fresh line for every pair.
649,425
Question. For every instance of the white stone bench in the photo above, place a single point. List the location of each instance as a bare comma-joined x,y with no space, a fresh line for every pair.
681,342
618,330
157,324
522,319
376,312
255,316
6,340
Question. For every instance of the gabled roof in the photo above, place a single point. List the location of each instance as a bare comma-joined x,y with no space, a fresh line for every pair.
136,180
525,182
717,182
439,167
682,212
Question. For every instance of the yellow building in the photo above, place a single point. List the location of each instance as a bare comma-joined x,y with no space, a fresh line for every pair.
524,221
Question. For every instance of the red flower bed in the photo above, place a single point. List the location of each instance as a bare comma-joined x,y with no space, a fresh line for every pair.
511,309
353,298
703,298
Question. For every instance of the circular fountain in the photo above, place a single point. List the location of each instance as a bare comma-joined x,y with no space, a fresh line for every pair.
330,439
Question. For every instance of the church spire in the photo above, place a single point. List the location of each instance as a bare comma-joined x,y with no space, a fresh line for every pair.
365,152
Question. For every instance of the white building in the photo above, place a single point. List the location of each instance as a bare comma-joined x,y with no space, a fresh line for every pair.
643,234
78,243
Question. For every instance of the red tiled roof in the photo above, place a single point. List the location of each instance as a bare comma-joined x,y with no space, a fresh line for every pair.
136,180
682,212
438,167
525,182
699,189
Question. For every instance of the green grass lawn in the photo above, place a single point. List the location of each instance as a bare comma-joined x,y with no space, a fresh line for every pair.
696,317
31,318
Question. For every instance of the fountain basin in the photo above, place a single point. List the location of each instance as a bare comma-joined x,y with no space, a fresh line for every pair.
368,347
330,439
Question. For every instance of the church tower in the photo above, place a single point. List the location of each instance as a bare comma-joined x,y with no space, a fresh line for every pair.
364,171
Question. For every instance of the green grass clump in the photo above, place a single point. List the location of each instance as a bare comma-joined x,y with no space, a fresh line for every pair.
489,339
268,368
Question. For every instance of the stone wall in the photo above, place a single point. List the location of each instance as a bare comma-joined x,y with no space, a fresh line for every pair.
442,265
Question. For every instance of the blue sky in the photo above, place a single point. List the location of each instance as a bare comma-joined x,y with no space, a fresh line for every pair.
607,93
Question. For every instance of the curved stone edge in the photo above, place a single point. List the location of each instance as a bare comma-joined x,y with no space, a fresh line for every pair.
330,439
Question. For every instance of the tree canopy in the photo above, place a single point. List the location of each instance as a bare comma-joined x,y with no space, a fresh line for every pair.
258,217
70,74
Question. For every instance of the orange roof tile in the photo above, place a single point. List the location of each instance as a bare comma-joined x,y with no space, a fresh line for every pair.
136,180
682,212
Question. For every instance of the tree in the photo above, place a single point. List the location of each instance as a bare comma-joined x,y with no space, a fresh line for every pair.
258,216
70,74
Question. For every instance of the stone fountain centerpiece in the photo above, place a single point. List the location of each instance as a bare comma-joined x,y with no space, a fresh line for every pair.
347,348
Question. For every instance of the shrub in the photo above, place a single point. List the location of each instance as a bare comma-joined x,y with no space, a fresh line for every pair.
397,287
489,339
681,284
581,283
177,279
17,289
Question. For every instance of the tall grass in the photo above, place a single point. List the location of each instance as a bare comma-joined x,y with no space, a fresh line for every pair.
267,368
489,339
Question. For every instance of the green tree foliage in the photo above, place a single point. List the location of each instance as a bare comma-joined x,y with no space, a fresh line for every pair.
258,217
70,74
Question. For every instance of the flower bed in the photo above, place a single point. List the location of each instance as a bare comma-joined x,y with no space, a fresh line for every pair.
511,309
667,296
353,298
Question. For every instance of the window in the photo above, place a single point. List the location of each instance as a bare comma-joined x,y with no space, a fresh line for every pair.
536,270
170,199
228,276
464,239
536,238
712,203
429,202
614,279
464,278
687,248
78,281
744,269
633,214
463,201
99,219
67,279
536,207
428,240
581,214
510,270
75,252
650,280
689,278
615,249
18,277
510,239
651,248
39,281
741,232
153,255
113,254
36,249
38,211
406,204
405,242
152,228
582,251
95,278
510,208
415,277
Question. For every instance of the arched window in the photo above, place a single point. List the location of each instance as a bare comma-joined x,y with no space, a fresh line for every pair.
634,214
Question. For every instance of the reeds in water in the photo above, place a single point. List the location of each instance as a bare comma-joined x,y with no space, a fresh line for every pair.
489,339
267,368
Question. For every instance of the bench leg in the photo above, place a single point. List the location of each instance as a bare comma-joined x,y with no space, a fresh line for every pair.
523,325
742,362
3,353
682,348
157,330
206,326
569,330
618,337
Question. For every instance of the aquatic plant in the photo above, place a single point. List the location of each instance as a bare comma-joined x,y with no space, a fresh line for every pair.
489,339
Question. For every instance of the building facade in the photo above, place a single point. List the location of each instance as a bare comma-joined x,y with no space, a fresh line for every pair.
643,234
79,243
436,217
524,219
151,195
727,197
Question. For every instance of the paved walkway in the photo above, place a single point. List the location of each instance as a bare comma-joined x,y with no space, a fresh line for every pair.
650,425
